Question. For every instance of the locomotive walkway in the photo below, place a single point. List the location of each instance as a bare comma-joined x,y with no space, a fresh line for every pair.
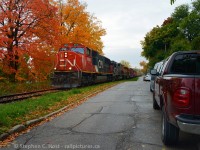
120,118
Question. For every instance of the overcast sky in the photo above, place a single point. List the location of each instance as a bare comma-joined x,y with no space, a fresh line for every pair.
127,22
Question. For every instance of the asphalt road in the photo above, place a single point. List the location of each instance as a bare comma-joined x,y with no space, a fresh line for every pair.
120,118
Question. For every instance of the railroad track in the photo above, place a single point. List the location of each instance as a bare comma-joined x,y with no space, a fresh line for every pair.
22,96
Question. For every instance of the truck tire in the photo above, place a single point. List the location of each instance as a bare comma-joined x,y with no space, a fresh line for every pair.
155,104
169,132
151,90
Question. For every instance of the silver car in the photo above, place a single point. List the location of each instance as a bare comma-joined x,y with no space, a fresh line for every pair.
158,67
147,77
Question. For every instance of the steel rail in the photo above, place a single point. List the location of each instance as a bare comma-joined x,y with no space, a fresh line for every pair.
25,95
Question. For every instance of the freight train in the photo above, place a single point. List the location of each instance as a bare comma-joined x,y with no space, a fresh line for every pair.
77,65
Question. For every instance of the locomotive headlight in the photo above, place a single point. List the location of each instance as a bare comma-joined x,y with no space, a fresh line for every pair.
65,55
70,68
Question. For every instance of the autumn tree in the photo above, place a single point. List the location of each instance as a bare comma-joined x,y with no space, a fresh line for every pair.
78,26
125,63
144,66
23,25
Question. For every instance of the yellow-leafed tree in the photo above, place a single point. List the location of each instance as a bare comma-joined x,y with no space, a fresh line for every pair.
144,66
78,26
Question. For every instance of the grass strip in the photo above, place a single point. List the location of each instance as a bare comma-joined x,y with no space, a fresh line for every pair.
19,112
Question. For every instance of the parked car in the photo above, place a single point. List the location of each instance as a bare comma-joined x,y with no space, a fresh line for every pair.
177,94
157,67
147,77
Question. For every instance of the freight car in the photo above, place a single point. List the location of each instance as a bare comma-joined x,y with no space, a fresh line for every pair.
77,65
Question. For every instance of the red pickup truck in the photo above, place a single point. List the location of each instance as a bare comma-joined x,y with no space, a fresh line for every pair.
177,94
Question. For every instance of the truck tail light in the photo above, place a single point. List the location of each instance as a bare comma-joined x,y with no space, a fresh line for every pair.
181,97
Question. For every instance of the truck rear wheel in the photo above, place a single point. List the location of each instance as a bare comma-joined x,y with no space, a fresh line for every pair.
169,133
155,104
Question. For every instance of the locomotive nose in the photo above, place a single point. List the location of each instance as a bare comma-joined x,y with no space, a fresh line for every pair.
66,61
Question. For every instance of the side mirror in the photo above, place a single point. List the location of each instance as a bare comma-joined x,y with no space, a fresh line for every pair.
154,72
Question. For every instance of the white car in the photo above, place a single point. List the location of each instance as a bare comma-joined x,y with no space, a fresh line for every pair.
147,77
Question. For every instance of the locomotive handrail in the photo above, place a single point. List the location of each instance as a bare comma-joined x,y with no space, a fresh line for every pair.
77,67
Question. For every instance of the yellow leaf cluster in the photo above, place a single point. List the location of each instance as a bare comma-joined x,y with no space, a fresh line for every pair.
78,26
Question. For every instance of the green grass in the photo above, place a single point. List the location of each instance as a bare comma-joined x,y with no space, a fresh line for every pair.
19,112
133,79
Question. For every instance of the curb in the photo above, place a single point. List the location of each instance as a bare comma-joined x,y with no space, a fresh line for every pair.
15,129
34,121
4,136
21,127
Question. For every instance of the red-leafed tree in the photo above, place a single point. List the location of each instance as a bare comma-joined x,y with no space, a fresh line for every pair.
25,28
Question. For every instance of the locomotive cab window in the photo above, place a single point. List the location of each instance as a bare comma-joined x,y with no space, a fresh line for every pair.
88,52
78,50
